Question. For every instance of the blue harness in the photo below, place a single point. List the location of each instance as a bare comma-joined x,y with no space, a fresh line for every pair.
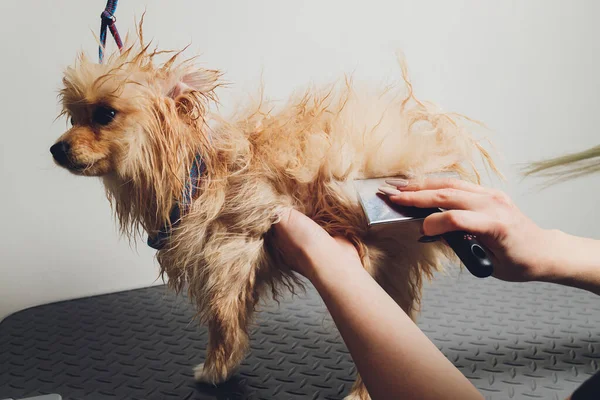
182,207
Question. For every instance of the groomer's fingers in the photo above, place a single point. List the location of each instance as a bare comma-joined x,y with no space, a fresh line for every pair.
442,198
462,220
436,183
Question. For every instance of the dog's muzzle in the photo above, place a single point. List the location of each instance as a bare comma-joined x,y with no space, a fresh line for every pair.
60,152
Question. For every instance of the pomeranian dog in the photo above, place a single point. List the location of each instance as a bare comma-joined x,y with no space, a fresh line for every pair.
207,189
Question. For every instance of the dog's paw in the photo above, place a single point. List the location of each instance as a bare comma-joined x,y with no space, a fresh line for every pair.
357,395
200,375
353,396
210,376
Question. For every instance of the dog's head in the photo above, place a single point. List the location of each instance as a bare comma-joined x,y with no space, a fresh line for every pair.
130,115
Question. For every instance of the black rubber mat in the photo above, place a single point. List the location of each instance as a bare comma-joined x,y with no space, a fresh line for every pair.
511,340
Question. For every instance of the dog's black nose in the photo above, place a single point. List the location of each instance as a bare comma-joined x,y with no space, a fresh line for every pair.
60,152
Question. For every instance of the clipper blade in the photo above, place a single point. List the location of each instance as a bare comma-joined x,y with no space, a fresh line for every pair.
380,211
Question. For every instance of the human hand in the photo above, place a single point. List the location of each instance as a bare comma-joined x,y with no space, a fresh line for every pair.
520,249
306,246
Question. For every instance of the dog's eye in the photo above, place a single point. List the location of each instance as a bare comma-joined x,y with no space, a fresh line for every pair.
72,121
103,115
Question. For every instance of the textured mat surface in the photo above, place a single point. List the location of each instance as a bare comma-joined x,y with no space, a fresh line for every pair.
511,340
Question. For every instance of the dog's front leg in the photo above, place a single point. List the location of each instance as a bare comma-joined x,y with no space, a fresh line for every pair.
228,343
231,295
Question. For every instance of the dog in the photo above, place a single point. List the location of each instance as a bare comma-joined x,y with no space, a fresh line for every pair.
208,188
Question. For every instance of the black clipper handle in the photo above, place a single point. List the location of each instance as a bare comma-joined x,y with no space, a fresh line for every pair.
471,253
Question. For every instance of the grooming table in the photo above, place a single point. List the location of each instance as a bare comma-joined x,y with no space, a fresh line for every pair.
511,340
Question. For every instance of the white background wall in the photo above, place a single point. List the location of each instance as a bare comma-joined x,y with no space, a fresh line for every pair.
528,69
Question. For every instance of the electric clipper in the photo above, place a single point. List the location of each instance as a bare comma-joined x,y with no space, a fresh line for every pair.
381,212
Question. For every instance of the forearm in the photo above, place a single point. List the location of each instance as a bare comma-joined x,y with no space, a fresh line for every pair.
575,262
393,356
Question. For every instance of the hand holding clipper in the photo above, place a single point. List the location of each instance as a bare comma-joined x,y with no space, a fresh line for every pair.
472,254
380,211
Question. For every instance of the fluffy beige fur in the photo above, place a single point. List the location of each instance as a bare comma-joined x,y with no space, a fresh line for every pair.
258,161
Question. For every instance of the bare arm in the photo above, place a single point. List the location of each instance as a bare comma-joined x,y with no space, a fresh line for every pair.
394,358
577,262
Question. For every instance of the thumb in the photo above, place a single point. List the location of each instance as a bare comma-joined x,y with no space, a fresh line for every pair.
299,228
283,216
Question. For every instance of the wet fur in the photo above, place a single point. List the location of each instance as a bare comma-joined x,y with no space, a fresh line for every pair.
260,160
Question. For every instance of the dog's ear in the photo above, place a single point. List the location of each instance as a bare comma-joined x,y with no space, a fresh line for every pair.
197,80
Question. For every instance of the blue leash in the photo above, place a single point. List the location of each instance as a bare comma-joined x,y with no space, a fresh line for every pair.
108,22
181,208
